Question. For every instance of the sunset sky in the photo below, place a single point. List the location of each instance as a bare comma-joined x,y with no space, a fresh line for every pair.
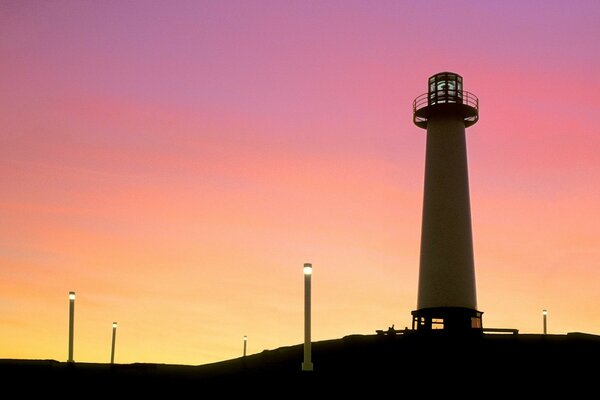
176,162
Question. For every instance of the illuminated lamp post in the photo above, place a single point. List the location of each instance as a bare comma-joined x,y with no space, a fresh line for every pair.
71,324
114,338
307,365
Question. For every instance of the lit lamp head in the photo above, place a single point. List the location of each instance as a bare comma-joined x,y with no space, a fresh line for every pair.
545,312
307,269
71,295
115,325
245,338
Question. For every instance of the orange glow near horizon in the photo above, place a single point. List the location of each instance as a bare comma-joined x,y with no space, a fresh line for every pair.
176,165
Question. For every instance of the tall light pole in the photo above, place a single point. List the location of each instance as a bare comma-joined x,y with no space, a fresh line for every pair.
245,342
545,315
307,365
71,324
114,337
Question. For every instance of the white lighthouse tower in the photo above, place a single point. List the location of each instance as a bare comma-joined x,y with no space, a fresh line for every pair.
447,298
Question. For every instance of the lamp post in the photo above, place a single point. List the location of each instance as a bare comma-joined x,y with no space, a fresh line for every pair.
71,324
114,337
245,343
545,316
307,365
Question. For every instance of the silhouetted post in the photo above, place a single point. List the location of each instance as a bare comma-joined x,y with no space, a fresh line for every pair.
545,315
307,365
114,337
245,342
71,324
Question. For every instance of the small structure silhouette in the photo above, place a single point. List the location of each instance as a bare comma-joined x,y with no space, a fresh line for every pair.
391,331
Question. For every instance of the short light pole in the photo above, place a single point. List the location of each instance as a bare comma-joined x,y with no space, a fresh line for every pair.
245,343
114,337
545,315
307,365
71,324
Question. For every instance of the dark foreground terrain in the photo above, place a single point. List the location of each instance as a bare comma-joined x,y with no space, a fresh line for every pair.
352,367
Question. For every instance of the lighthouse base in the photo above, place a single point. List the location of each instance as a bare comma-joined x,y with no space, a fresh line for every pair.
452,320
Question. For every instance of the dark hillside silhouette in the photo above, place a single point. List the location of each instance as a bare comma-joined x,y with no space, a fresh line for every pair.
355,364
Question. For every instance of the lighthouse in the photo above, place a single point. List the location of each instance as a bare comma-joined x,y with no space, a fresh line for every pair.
447,299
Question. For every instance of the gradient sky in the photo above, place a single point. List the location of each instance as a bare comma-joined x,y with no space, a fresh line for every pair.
175,163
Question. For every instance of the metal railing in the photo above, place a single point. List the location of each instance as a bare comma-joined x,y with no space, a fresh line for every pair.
445,97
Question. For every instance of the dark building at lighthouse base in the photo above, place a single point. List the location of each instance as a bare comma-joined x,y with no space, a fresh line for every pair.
453,320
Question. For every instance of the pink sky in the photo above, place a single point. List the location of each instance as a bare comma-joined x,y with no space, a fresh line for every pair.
175,163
